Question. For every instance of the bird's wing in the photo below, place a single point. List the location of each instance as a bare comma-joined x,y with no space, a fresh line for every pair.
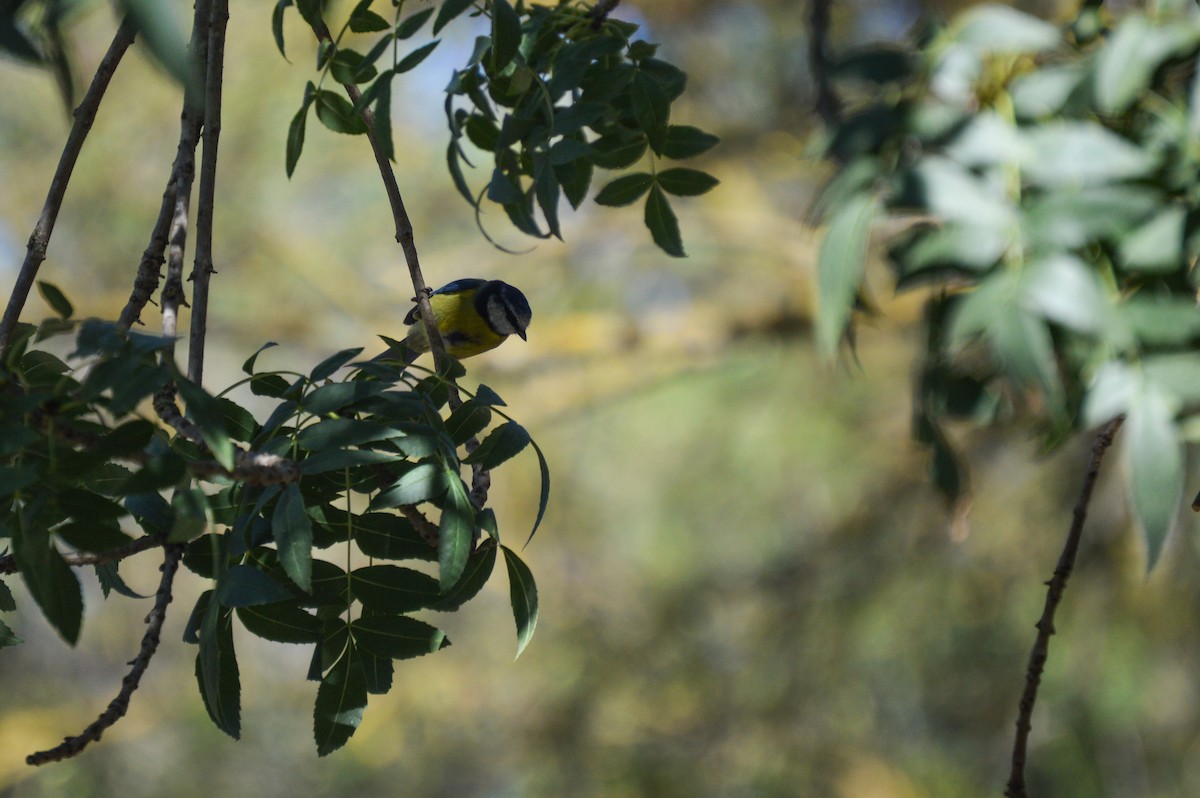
453,287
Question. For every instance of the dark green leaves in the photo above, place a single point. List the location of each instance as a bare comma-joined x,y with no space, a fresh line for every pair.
55,299
523,596
292,530
840,266
341,699
550,100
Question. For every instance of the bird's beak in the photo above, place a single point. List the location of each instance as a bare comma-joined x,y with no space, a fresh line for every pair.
522,334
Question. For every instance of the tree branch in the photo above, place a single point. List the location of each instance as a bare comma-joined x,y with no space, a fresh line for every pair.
203,268
404,228
1054,594
39,240
148,272
117,708
8,563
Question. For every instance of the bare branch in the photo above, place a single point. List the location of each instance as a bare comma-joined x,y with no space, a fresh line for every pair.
600,12
39,240
148,273
1054,594
203,268
117,708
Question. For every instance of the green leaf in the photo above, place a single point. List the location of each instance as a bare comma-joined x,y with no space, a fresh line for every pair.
364,20
337,114
615,152
652,108
1044,92
282,623
418,483
1155,463
292,530
92,536
449,10
217,670
685,141
390,537
1065,290
456,531
377,672
503,443
340,396
7,602
1002,29
50,581
310,10
159,29
390,589
397,636
248,366
349,66
341,700
336,433
664,227
247,586
474,577
523,596
209,416
506,35
190,514
414,58
338,459
544,493
413,23
686,182
7,636
55,298
471,418
1126,64
840,266
1081,154
110,579
1156,246
277,24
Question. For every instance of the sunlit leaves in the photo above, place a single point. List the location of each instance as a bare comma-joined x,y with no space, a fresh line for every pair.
1052,208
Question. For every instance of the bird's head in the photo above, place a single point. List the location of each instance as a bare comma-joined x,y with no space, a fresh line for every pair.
505,308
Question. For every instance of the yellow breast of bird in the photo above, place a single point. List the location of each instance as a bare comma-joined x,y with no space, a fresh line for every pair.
463,330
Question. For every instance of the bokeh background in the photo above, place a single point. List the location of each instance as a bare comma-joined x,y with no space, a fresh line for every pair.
748,586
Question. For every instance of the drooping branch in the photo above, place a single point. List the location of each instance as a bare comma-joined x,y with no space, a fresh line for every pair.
117,708
39,240
1054,594
203,268
8,563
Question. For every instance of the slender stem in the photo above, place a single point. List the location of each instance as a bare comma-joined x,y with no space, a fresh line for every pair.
203,269
39,240
404,228
117,708
170,230
1054,594
828,106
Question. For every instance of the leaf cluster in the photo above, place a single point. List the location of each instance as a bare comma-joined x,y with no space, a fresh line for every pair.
344,470
549,94
1044,183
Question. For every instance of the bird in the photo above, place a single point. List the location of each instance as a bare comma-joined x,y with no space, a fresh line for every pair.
473,316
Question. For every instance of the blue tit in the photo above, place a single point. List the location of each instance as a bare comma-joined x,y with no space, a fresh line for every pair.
472,315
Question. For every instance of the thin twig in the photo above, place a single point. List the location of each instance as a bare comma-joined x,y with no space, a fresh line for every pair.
8,563
176,196
1054,594
117,708
203,268
148,271
828,106
39,240
404,228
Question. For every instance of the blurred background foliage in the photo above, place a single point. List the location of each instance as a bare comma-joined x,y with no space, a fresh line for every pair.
748,585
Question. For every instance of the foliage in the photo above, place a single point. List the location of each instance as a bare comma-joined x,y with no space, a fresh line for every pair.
1044,183
550,94
255,504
